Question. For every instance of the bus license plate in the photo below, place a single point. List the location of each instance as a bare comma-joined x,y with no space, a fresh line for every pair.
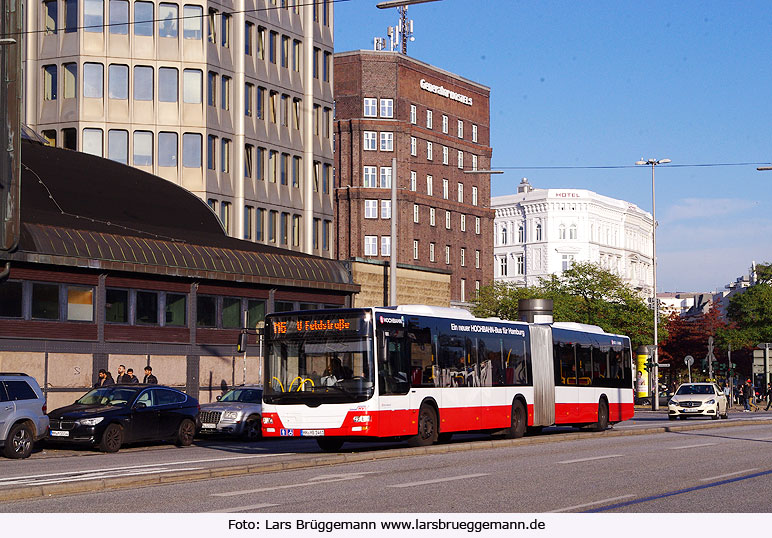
312,433
59,433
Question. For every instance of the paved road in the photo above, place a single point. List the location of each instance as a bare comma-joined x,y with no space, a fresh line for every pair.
698,471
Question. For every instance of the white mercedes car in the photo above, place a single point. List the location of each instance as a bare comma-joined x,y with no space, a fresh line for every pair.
698,400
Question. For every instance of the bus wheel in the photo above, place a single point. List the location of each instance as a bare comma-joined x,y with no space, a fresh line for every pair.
602,423
329,444
519,421
427,427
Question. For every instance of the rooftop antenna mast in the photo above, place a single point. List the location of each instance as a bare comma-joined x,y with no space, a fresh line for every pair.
403,32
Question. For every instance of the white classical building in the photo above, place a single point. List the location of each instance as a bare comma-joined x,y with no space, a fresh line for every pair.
539,232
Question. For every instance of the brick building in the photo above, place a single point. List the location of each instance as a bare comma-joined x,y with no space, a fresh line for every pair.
436,125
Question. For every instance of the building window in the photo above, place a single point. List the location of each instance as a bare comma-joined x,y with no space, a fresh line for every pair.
447,254
371,107
92,141
225,93
477,259
326,227
503,266
444,155
385,177
520,233
249,89
463,289
191,150
315,62
463,222
192,22
50,16
572,232
463,257
415,213
283,168
460,129
70,80
370,177
520,265
413,146
297,170
413,114
167,13
447,220
143,148
167,85
474,133
371,209
428,119
248,37
538,232
461,160
503,239
93,16
387,141
285,51
429,151
429,189
474,162
249,212
474,195
260,164
296,226
260,106
211,149
562,231
476,289
272,216
50,84
284,228
477,225
167,149
93,80
415,249
431,252
461,192
259,223
326,66
118,81
387,108
272,47
413,181
119,17
225,156
371,245
444,124
385,245
297,51
567,260
192,80
261,42
445,189
385,209
71,16
118,146
432,216
370,141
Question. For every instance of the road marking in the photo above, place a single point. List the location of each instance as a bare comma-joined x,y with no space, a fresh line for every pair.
689,446
727,475
568,508
152,467
437,480
243,508
591,459
338,478
89,476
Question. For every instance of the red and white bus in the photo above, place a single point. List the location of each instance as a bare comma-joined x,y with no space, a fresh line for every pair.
423,373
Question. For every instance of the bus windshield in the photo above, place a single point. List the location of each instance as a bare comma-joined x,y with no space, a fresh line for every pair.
314,359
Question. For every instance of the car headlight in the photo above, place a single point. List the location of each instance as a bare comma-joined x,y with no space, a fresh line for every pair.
673,402
711,401
230,415
89,421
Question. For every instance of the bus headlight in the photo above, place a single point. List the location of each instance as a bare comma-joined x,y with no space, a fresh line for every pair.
362,418
267,420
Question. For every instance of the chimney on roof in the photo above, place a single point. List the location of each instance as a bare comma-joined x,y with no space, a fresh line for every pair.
524,186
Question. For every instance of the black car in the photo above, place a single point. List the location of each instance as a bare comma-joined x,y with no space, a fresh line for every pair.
108,417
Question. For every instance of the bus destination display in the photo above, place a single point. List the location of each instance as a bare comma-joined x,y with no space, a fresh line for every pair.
298,326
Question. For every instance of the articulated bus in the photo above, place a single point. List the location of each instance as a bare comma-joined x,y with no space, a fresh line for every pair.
422,373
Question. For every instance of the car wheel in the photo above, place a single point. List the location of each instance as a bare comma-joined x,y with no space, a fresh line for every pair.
19,442
519,421
252,428
329,444
715,417
112,438
185,433
427,427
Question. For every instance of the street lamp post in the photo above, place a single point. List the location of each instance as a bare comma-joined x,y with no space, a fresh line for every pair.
655,359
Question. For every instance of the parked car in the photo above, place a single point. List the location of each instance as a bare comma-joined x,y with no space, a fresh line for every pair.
238,412
108,417
698,399
23,417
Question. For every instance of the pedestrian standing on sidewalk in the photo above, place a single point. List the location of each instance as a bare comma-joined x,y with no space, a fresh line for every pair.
752,397
769,396
745,395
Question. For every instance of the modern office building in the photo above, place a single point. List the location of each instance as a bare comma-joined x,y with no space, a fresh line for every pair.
539,232
436,125
232,100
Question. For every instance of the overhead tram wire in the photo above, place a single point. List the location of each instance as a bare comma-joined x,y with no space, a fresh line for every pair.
613,167
181,18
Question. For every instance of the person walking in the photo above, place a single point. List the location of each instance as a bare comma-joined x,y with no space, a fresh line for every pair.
122,376
149,378
745,395
751,397
769,396
132,378
105,379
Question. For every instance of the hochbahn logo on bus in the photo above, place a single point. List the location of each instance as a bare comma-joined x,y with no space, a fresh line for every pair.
400,320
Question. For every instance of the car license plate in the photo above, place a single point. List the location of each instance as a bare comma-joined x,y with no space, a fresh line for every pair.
209,426
312,433
690,410
59,433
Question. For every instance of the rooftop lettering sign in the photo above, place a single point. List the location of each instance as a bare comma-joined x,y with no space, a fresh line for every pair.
443,91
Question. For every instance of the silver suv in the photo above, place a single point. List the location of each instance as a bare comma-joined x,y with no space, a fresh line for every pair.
237,412
23,418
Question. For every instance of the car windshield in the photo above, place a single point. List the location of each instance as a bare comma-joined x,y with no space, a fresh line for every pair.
115,396
695,389
243,395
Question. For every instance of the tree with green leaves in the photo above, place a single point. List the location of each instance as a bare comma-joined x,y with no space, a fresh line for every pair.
585,293
751,311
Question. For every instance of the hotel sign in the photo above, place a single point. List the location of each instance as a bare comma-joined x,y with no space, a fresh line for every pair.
443,91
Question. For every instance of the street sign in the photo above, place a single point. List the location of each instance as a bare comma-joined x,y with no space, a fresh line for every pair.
689,360
666,365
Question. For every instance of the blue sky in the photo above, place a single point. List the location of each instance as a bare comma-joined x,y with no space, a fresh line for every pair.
605,83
